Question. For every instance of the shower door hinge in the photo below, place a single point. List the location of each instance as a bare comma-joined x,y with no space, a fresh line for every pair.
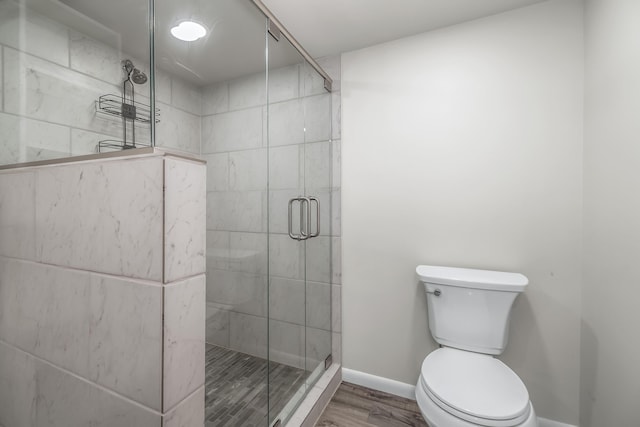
327,362
273,30
277,423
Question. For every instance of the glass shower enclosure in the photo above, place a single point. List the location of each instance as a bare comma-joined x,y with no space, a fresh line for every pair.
89,77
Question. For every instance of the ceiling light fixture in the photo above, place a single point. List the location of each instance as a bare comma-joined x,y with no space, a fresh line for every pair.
188,31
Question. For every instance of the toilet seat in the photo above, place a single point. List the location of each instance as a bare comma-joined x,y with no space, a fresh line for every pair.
475,387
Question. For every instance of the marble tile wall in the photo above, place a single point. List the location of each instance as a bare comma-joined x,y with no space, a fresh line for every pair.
50,78
184,300
304,153
102,328
187,413
34,392
184,344
93,329
68,225
185,210
234,145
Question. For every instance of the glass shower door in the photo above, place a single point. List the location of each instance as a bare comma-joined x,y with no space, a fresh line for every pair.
298,128
316,152
287,294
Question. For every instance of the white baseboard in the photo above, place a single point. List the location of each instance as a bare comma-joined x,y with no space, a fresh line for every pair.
543,422
379,383
408,391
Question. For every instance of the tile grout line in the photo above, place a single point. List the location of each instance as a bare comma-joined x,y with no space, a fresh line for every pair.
184,401
78,377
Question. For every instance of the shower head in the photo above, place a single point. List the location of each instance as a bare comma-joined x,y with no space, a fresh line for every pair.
138,77
133,74
127,66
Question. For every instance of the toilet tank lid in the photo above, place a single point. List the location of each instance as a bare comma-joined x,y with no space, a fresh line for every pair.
471,278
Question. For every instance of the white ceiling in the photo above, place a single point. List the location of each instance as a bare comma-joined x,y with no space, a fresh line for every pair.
327,27
235,44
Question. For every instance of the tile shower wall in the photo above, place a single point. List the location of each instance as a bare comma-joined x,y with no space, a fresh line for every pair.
234,143
84,293
51,76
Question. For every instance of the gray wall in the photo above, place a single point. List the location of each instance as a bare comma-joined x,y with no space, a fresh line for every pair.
463,147
610,378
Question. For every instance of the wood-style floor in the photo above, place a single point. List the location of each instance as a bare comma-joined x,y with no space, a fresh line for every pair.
237,393
355,406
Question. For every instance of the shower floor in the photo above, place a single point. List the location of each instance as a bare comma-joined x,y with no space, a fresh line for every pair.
236,388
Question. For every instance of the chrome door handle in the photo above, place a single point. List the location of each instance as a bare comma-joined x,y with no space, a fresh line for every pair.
305,218
315,199
293,236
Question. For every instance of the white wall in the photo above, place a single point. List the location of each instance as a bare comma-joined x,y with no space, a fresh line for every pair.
610,380
463,147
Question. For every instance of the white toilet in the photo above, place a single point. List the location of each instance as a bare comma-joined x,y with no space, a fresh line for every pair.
462,384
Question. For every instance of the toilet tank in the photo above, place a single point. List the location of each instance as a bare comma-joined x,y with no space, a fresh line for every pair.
470,309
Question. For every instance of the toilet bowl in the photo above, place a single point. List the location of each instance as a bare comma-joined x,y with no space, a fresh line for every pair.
462,384
458,388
